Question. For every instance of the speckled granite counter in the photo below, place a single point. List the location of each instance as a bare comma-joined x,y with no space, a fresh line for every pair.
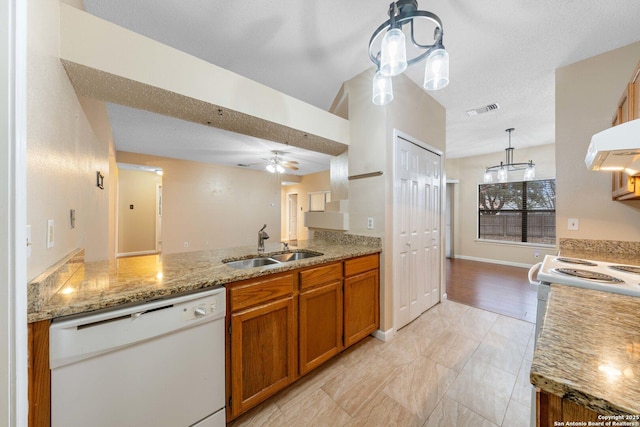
98,285
589,350
601,250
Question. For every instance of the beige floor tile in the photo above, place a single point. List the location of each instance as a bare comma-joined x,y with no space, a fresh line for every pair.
431,324
452,349
311,382
517,331
501,352
420,386
475,323
383,411
450,413
528,354
484,389
451,309
517,415
360,381
313,409
523,390
405,347
263,415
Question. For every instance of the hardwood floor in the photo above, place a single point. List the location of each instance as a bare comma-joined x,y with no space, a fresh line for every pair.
497,288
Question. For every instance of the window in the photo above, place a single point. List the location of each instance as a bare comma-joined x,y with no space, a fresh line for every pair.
518,211
318,199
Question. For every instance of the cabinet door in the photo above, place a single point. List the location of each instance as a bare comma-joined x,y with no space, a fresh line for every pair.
361,306
263,352
320,321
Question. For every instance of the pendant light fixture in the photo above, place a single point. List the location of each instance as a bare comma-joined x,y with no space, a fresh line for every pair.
502,170
391,59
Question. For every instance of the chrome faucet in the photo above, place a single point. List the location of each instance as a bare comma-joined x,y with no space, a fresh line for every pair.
285,246
262,235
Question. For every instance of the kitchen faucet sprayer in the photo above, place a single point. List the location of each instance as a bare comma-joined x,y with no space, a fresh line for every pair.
262,235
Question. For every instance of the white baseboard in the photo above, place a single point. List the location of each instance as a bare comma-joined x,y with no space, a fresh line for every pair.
493,261
384,336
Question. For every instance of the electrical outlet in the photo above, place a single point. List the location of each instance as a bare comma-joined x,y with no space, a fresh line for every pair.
574,224
536,254
370,223
186,244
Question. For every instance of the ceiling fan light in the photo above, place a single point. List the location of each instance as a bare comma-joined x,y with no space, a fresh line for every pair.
502,175
393,53
488,177
279,168
382,89
271,168
436,71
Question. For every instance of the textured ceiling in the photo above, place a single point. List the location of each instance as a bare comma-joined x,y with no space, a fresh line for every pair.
501,52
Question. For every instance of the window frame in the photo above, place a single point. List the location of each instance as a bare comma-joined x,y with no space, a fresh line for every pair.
522,212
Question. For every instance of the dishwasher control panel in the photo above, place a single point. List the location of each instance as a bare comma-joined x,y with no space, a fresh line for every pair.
203,307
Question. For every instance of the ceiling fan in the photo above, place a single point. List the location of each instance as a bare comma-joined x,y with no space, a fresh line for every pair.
278,164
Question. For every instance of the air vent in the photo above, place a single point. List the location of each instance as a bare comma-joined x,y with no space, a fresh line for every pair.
482,110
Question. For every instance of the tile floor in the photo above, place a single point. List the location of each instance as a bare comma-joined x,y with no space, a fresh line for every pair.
453,366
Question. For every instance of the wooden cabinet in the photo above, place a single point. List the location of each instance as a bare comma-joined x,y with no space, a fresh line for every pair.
623,186
361,298
320,315
262,343
39,382
552,410
282,326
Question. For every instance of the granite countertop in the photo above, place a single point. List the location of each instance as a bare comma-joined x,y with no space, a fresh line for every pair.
105,284
589,350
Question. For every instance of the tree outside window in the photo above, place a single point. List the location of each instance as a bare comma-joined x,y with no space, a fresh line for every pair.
522,211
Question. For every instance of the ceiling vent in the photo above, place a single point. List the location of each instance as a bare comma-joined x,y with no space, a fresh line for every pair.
482,110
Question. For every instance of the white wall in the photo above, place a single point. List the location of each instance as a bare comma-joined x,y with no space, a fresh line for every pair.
309,183
137,226
211,206
587,95
468,171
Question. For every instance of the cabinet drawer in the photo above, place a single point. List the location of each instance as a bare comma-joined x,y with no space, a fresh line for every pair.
319,275
360,265
257,291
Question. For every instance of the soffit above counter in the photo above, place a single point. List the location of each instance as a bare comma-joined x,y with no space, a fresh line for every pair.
112,64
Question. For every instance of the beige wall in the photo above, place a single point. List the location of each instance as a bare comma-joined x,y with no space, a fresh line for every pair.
313,182
587,94
414,112
468,172
137,226
64,151
211,206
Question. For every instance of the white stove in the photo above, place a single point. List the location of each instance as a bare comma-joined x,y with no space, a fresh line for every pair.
598,275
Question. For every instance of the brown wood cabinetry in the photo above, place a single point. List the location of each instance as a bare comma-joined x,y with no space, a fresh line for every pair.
262,342
39,382
320,315
283,326
623,186
361,298
552,410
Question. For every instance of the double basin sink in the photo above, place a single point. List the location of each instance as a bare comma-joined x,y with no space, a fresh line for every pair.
262,260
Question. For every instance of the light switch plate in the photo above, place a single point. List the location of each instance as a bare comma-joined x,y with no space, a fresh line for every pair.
50,229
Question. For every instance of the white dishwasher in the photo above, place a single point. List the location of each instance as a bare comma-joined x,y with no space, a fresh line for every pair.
155,364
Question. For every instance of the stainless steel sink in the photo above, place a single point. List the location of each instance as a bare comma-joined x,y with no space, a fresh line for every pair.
294,256
260,261
251,262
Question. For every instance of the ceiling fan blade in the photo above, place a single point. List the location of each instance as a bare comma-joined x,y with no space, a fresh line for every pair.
289,166
291,162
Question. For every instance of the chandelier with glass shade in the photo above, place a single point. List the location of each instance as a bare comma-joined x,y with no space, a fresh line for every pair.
502,170
391,58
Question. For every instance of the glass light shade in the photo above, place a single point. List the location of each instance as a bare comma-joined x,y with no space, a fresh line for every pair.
502,175
279,169
436,72
393,53
529,173
382,89
488,177
271,168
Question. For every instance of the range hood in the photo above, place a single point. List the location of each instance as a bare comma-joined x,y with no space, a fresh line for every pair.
616,149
